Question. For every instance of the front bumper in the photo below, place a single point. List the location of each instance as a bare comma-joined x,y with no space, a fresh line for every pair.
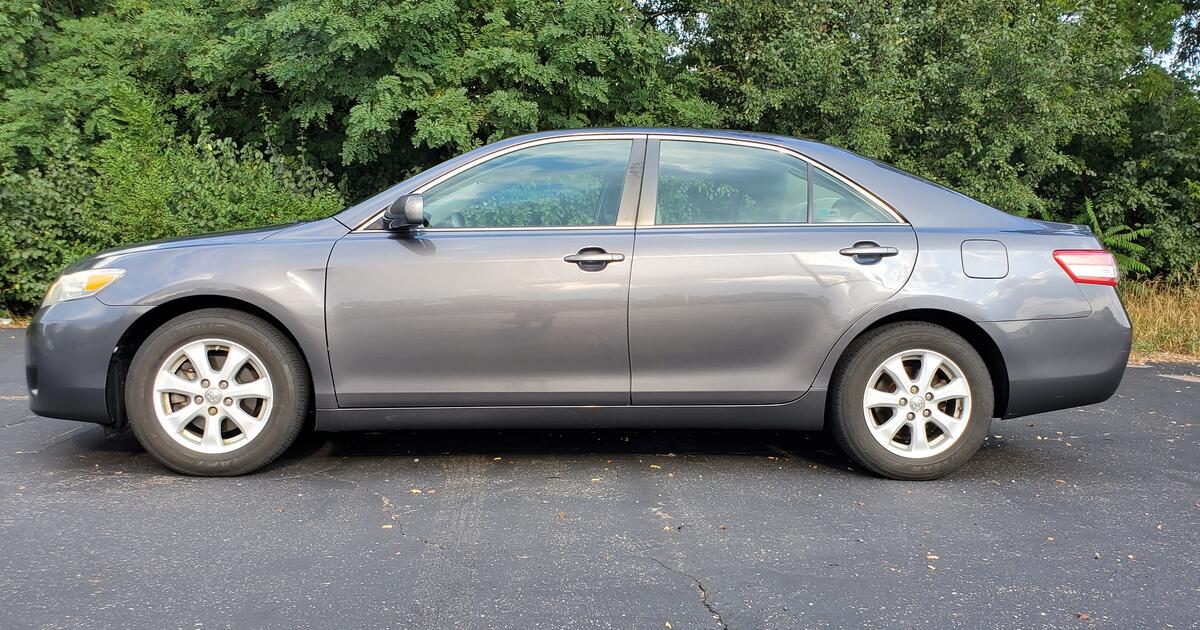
1056,364
68,350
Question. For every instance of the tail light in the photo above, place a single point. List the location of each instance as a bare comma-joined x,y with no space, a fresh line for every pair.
1089,266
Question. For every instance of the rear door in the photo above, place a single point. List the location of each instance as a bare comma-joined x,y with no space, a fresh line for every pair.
751,263
516,293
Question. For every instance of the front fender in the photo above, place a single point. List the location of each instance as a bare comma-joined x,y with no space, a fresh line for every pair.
283,275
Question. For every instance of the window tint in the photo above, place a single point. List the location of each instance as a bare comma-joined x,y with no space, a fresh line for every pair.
556,184
835,202
707,182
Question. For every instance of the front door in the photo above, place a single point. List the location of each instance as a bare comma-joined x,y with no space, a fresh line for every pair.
741,286
515,294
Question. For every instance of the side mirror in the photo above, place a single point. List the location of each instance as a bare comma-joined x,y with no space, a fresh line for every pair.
405,213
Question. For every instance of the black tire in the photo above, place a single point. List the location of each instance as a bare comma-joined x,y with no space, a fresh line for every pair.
848,422
291,391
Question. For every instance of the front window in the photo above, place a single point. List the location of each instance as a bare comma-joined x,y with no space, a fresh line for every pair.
573,183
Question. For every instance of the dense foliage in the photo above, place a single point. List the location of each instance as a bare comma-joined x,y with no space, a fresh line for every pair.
124,120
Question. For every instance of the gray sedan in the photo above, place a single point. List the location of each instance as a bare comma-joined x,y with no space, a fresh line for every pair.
597,278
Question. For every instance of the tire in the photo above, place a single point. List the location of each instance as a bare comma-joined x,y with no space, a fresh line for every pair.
231,423
953,416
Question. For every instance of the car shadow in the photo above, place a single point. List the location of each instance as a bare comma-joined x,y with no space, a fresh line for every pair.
812,446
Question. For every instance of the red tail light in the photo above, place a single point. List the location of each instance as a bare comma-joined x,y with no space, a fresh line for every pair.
1089,266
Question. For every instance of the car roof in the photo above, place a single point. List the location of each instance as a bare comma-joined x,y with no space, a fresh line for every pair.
921,202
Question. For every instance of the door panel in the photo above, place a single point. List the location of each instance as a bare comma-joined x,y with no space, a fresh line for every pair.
737,294
517,295
478,318
747,314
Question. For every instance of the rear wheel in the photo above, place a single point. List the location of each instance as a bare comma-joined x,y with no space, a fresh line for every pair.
217,392
911,400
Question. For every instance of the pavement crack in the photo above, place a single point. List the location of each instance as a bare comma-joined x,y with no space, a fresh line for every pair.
389,509
699,587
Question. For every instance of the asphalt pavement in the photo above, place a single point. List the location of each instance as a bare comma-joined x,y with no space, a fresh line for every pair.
1078,519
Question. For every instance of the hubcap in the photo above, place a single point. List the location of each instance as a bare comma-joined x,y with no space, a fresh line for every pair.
212,395
917,403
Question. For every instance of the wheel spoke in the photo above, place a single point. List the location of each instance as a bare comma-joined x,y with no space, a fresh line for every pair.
895,368
177,420
951,426
165,382
212,432
954,389
197,354
876,398
887,431
258,388
930,363
233,363
249,425
920,439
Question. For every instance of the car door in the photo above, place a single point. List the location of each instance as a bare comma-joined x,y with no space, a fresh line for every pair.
747,273
515,294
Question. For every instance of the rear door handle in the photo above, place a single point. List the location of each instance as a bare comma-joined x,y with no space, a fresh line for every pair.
867,252
593,258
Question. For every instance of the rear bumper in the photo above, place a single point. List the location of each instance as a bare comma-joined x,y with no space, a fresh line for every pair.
1061,363
68,349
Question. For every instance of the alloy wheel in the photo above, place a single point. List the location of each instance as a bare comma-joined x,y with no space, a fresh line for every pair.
212,395
917,403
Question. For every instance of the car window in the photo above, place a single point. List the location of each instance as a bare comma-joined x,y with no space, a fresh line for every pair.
835,202
708,182
555,184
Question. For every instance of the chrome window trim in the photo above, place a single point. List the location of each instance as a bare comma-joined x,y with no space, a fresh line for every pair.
650,168
420,190
686,226
656,138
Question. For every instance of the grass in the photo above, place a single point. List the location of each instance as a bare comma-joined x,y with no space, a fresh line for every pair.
1166,318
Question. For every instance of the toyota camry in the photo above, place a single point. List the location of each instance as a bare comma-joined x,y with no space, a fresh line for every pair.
597,278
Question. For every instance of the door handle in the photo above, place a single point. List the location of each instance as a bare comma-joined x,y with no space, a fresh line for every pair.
593,258
868,252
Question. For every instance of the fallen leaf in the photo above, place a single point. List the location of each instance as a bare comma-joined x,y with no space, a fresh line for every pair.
668,625
562,516
1049,539
655,466
1059,481
415,490
667,528
1083,616
387,526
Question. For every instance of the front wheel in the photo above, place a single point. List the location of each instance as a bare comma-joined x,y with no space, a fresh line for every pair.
911,400
217,392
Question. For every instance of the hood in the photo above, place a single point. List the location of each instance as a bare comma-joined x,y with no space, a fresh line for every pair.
197,240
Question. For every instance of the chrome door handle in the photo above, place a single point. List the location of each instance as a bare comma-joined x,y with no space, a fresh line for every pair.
869,251
593,258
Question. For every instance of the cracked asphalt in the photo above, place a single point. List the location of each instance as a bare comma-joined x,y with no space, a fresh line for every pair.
1077,519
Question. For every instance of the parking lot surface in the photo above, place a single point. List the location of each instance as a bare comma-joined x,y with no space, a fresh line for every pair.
1076,519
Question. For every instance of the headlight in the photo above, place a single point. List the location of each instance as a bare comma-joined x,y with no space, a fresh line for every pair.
80,284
